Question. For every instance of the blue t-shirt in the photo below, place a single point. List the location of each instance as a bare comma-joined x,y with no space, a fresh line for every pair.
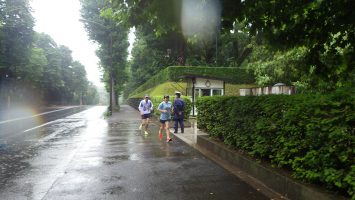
165,106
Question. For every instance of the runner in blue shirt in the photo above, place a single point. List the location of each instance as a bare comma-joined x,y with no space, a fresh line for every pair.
165,109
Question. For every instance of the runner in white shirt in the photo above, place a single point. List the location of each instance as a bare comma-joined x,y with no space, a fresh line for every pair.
145,107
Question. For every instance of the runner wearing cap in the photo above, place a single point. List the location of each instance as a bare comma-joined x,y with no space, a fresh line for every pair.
145,107
165,108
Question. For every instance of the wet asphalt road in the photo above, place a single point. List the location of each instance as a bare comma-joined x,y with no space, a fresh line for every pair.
85,156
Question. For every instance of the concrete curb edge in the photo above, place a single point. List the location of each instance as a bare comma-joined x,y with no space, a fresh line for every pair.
277,182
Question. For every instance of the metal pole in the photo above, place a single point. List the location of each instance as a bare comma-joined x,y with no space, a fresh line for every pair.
193,96
111,79
216,45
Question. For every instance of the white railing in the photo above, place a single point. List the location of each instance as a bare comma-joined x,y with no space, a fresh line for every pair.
279,89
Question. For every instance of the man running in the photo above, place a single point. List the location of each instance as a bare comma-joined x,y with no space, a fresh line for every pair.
145,107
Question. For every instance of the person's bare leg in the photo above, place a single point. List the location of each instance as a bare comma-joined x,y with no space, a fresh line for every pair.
142,124
167,131
160,131
146,124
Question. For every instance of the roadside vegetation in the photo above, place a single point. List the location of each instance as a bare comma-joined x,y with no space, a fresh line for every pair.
310,135
34,69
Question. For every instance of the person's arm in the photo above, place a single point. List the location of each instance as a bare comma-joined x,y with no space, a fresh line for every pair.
173,107
151,105
160,108
140,108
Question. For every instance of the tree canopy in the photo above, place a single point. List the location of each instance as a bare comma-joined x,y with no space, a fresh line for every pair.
112,37
33,68
326,28
322,31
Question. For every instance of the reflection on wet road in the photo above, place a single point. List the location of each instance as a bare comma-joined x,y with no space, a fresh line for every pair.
85,156
30,164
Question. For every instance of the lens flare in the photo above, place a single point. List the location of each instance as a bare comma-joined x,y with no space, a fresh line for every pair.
200,20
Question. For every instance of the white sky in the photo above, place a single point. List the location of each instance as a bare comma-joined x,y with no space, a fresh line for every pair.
60,20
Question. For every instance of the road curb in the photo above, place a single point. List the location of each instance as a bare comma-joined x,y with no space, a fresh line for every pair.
280,183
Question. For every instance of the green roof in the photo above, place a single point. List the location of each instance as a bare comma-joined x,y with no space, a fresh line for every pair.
178,73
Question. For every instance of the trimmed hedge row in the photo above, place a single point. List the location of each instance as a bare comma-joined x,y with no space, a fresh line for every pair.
312,135
134,102
176,73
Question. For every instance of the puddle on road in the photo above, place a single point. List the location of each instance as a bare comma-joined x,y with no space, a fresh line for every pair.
134,156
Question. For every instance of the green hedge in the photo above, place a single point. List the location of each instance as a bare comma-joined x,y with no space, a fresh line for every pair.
156,100
176,73
312,135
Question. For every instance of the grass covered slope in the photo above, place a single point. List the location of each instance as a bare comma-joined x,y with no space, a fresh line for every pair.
170,88
161,89
178,73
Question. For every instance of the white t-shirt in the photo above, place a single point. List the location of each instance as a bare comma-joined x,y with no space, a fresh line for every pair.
145,106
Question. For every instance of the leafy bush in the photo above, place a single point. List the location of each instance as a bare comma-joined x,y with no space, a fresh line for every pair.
313,135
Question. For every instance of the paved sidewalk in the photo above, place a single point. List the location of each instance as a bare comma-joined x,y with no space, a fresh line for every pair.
174,170
190,133
190,136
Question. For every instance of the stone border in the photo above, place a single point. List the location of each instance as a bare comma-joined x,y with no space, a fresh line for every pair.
284,185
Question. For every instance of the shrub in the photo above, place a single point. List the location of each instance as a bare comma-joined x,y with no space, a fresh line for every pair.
312,135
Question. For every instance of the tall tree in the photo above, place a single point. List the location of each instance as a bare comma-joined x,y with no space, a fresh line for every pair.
112,36
16,32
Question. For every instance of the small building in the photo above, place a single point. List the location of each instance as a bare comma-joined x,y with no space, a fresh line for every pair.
203,86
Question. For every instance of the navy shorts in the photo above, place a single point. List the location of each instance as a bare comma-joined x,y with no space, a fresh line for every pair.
145,116
163,121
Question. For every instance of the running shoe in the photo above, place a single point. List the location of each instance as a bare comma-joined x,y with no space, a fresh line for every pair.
146,132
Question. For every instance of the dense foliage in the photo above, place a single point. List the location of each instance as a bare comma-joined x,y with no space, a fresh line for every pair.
325,28
312,135
33,68
310,44
167,37
270,67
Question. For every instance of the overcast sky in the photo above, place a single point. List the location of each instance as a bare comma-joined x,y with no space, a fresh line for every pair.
60,20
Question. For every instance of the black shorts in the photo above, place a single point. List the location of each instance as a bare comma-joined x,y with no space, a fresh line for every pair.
163,121
145,116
